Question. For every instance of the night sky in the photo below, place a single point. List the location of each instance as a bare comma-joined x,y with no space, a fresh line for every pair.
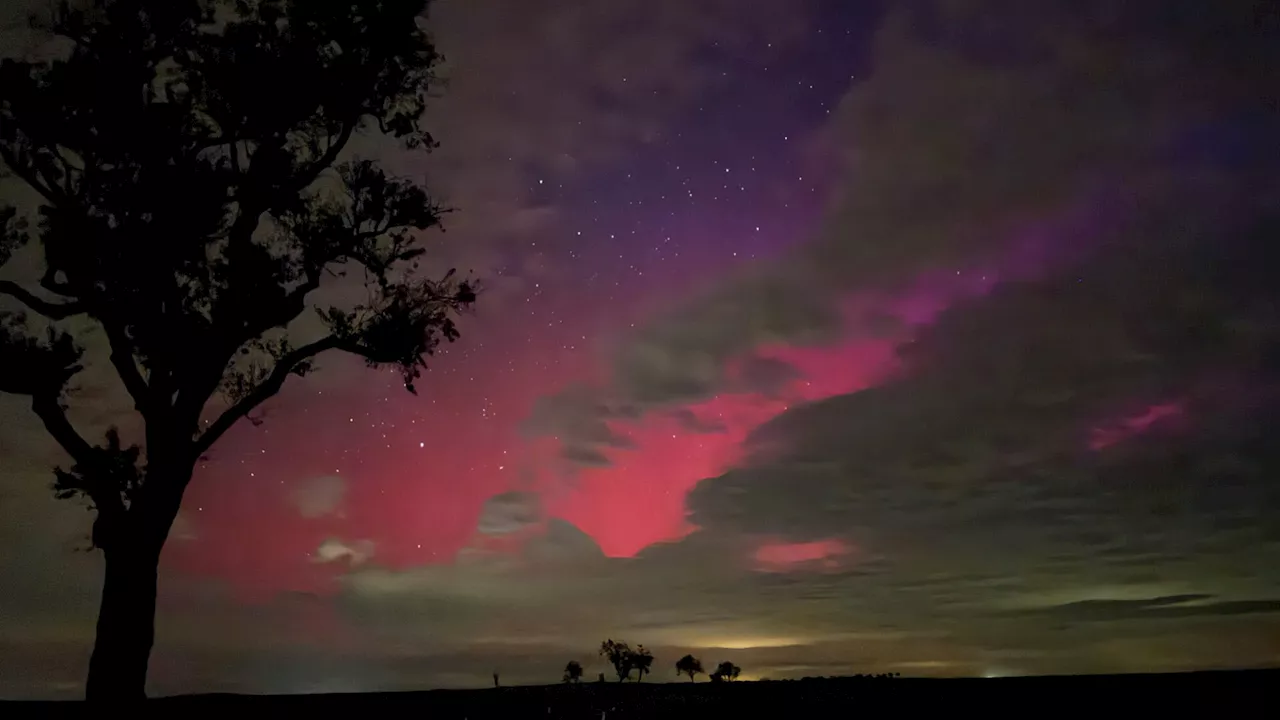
815,337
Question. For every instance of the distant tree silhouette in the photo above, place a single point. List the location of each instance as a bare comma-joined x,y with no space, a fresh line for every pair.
641,660
189,160
619,655
726,672
689,665
573,672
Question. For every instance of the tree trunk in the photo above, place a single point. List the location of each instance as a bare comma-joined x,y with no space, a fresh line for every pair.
126,625
132,541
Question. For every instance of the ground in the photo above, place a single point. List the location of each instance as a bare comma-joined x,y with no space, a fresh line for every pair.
1239,693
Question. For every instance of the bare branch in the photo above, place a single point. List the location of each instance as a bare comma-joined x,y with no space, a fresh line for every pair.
121,350
286,366
50,412
257,201
51,310
32,177
125,364
122,356
313,170
233,149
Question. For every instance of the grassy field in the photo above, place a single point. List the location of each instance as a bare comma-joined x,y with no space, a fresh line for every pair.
1254,693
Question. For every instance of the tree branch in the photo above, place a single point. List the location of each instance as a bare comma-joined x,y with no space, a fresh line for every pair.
121,353
260,200
32,177
88,460
51,310
50,411
284,367
125,365
308,176
296,183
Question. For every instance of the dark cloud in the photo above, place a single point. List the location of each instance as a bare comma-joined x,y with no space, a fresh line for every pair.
972,479
974,128
584,456
563,543
765,376
509,512
683,356
1158,608
995,411
580,420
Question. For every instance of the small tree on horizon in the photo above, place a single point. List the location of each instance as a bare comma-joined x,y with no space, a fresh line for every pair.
619,655
189,157
689,665
573,672
726,672
642,661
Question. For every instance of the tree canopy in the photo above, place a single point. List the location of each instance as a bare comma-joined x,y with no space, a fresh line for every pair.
619,655
641,661
726,671
689,665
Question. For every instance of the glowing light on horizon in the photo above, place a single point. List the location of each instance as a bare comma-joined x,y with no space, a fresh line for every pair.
749,643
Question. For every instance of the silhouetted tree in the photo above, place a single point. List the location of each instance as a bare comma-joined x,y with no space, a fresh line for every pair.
619,655
642,661
573,672
689,665
726,672
189,160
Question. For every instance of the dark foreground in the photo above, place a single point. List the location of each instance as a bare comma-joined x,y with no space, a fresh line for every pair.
1253,693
